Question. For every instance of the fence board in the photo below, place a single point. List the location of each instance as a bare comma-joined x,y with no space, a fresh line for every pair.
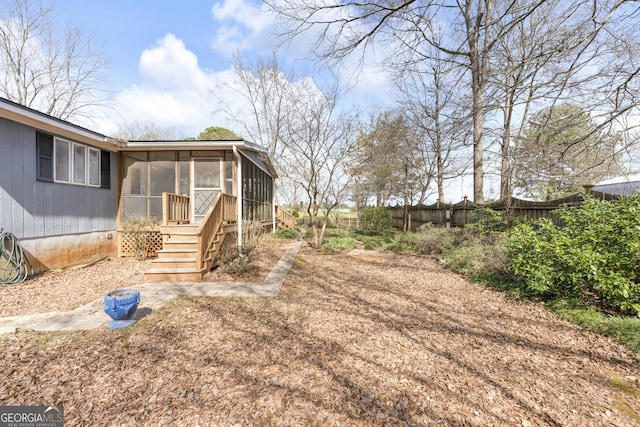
460,214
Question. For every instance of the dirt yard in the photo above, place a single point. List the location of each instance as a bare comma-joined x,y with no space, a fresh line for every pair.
356,339
62,290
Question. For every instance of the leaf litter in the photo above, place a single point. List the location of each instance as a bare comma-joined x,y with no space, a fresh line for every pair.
360,339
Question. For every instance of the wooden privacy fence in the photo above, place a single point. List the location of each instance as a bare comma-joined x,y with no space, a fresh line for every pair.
460,214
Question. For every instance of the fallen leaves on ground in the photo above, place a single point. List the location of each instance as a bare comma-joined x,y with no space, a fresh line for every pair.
354,339
66,289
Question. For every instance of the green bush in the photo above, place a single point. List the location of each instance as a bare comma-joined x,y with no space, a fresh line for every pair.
532,255
371,245
596,251
335,244
430,240
486,220
286,233
371,242
376,220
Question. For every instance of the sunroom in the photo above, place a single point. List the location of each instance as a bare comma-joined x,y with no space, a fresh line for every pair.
198,191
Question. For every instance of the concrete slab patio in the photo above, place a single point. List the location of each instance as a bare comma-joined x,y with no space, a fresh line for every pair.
152,297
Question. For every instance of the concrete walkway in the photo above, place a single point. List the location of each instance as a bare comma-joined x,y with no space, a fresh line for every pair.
152,297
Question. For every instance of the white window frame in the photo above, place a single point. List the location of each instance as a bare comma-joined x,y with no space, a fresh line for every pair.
71,158
56,178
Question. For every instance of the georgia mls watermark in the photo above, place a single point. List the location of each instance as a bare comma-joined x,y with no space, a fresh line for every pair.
31,416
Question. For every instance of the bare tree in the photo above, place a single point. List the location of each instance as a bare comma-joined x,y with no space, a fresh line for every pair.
318,146
310,141
263,86
268,92
350,25
428,94
521,67
58,73
146,131
561,52
582,51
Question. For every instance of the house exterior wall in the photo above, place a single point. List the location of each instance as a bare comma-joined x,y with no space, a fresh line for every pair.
34,210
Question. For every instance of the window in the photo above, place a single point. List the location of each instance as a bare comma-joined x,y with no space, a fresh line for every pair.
62,161
105,169
94,167
79,164
44,152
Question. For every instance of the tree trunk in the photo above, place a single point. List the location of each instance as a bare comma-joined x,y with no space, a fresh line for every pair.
477,62
505,171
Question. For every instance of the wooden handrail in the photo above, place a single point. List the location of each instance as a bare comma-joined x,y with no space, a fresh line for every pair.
175,209
284,216
222,209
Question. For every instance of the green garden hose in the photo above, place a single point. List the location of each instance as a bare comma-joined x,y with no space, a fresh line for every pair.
14,266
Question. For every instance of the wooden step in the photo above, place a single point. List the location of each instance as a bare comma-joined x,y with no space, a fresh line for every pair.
177,253
183,228
174,263
179,238
177,246
173,275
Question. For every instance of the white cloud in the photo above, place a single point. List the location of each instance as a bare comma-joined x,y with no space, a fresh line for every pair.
170,64
174,92
242,25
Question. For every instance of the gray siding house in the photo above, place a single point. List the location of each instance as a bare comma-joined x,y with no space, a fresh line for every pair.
58,188
65,192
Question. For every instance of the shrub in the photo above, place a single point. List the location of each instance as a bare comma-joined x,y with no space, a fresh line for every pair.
239,264
596,251
477,258
429,240
399,247
375,220
243,264
335,244
532,253
286,233
371,245
486,220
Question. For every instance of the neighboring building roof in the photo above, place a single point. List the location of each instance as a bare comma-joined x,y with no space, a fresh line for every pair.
622,186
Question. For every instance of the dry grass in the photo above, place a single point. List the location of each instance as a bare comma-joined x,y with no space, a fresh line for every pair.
360,339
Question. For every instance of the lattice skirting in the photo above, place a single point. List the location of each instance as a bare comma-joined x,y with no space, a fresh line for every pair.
128,243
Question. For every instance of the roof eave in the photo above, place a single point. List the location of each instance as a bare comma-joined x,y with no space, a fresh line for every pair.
27,116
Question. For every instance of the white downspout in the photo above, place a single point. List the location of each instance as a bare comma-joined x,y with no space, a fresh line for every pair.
239,196
274,188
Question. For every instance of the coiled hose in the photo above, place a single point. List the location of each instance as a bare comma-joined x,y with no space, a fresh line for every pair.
14,266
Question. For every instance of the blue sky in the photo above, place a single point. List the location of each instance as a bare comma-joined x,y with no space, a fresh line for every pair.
167,56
